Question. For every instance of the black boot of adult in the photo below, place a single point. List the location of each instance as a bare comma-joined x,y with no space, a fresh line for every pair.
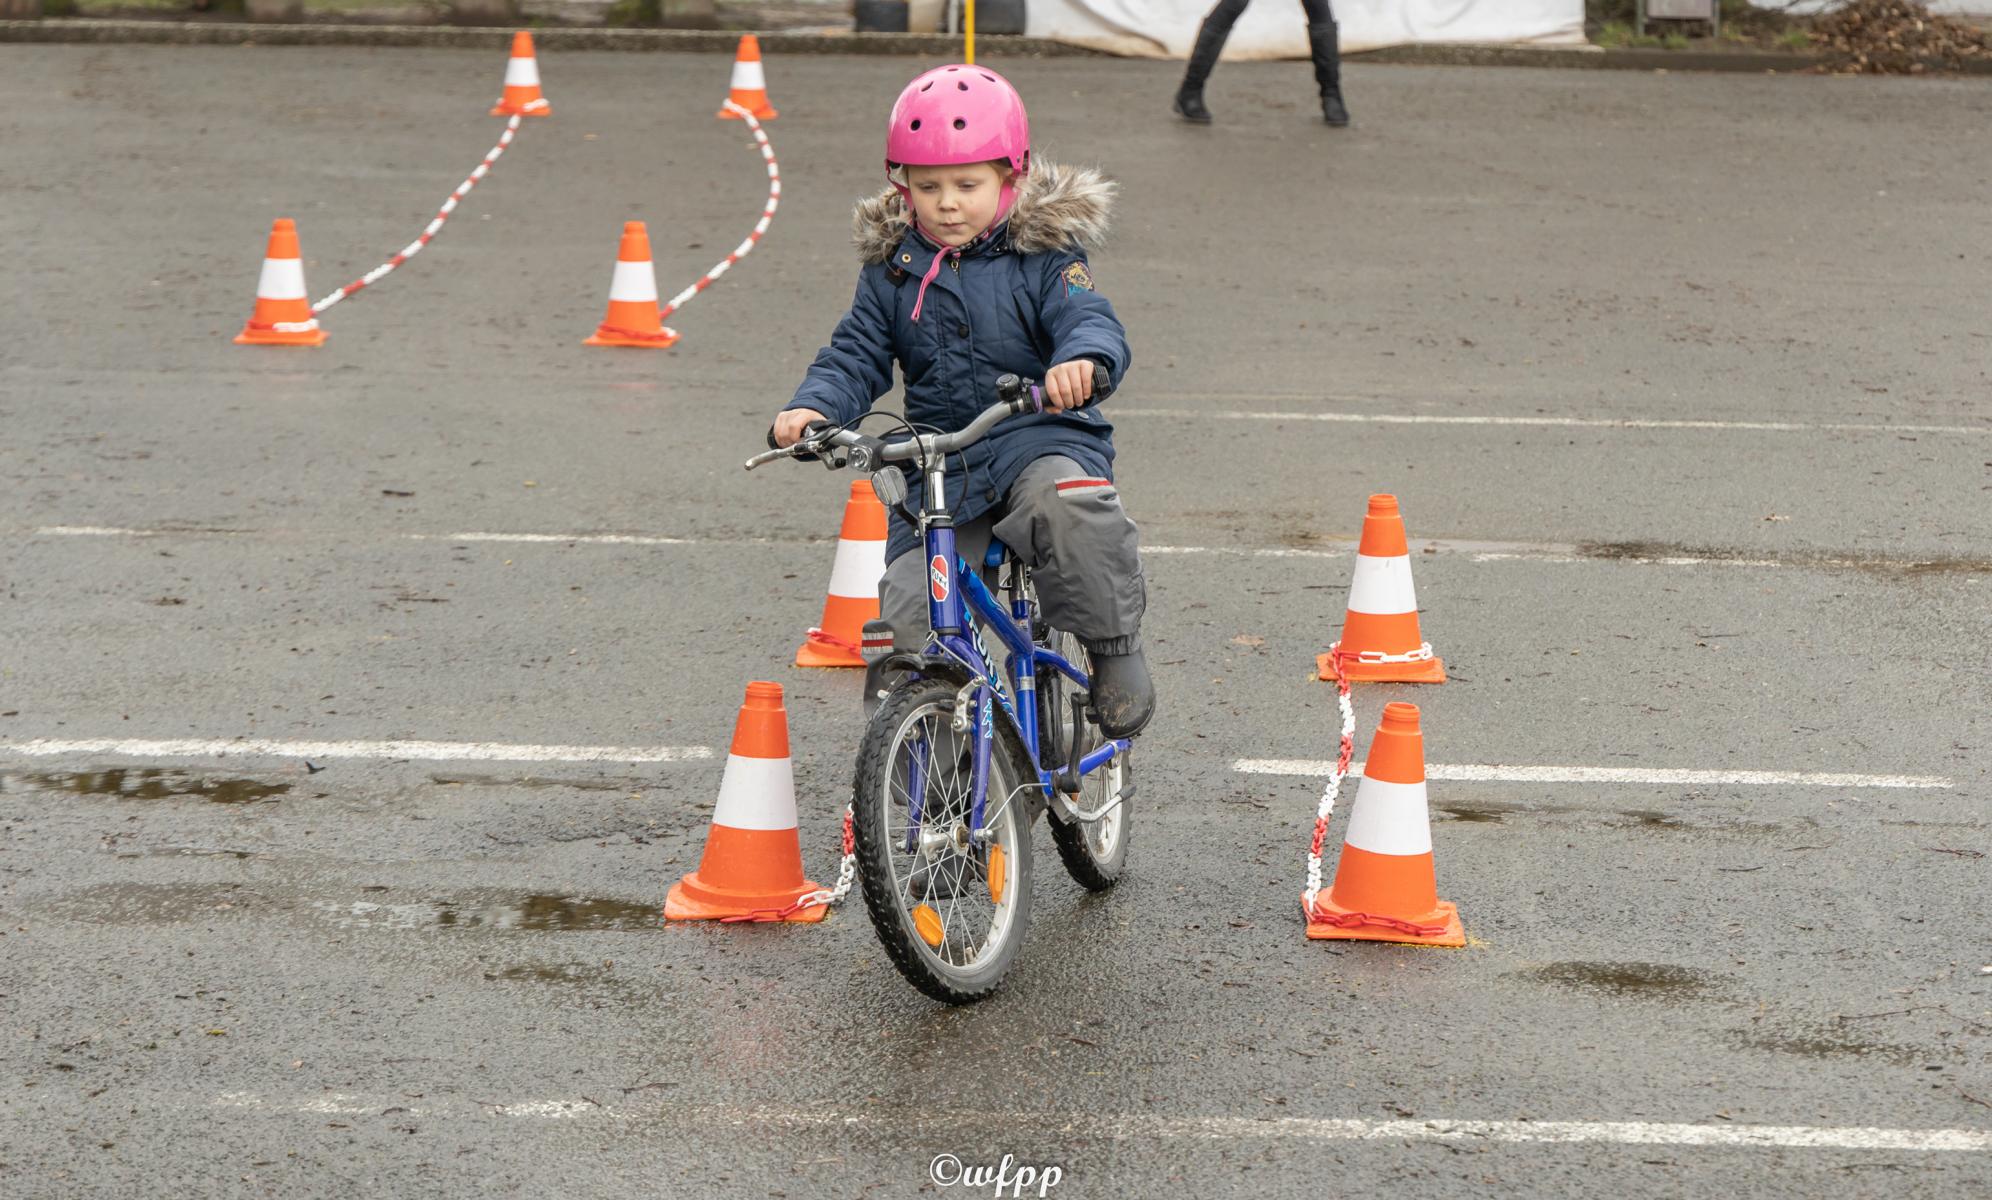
1189,98
1325,40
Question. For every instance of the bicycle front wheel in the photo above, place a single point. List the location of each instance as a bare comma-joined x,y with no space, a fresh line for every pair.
950,910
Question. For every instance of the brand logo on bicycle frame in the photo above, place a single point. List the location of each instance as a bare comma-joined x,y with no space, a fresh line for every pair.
937,574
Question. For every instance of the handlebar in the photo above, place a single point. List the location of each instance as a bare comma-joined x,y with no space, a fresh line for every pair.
1016,396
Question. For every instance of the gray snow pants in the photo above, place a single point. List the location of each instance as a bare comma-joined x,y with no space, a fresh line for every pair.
1070,529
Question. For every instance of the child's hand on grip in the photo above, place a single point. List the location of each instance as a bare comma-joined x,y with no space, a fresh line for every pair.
790,423
1068,385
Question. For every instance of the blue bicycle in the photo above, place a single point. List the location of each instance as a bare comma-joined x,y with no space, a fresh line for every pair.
958,760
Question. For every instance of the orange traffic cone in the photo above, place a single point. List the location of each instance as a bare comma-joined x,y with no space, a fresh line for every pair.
633,318
752,868
854,577
750,82
283,311
1385,887
1380,642
522,85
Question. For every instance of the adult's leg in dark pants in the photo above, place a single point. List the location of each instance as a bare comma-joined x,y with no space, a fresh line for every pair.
1203,57
1324,39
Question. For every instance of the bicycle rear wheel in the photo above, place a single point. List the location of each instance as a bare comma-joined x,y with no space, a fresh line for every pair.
950,913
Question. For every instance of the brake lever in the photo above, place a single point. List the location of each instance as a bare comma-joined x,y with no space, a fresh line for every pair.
795,449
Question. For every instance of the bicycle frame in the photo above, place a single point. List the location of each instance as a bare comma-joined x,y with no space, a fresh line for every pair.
954,594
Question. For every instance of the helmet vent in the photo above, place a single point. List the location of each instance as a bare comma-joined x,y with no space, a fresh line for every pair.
929,87
962,86
915,126
960,124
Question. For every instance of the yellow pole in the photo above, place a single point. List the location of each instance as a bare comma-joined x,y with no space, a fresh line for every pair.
968,31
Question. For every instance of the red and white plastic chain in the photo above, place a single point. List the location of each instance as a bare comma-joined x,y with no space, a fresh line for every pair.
1422,654
415,247
846,872
760,227
819,637
1343,757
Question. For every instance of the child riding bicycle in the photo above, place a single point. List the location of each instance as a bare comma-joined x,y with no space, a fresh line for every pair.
974,268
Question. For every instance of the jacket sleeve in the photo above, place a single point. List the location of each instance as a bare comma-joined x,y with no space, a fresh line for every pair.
1081,322
856,367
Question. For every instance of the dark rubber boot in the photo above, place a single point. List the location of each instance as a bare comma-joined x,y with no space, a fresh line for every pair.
1326,42
1123,694
1189,98
1190,105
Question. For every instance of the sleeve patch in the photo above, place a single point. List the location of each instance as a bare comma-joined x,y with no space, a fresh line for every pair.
1077,279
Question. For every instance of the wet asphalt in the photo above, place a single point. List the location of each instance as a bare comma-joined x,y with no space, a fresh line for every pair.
256,976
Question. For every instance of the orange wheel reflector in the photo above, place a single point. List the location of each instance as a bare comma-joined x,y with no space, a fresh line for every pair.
927,923
997,873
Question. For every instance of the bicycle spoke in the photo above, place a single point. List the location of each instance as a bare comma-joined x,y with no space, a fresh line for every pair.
943,870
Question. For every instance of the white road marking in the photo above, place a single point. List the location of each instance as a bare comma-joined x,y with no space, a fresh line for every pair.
1478,551
585,539
422,751
123,532
1123,1125
1501,773
1358,418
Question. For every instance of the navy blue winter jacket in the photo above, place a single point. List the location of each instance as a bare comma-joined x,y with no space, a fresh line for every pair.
1018,302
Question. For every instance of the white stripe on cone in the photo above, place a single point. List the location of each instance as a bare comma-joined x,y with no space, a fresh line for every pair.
1390,818
634,281
1382,586
857,570
282,279
521,72
757,793
749,77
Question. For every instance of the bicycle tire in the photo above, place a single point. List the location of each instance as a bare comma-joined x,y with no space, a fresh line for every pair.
918,702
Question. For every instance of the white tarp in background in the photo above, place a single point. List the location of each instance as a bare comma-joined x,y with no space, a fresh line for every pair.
1278,28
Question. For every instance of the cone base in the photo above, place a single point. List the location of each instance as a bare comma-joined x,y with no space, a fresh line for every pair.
508,110
251,336
603,337
763,111
1432,670
815,654
1454,933
691,899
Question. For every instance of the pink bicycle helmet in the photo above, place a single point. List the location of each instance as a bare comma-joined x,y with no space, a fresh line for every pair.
956,115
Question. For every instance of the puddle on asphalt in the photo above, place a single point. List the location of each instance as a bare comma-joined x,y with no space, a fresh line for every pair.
143,784
540,783
1872,564
537,914
1640,818
1829,1044
1460,812
160,903
1649,981
553,973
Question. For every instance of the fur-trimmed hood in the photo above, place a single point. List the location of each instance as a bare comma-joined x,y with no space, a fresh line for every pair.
1058,207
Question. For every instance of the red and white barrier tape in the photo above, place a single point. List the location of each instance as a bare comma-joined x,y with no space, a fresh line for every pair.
415,247
760,227
1343,757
